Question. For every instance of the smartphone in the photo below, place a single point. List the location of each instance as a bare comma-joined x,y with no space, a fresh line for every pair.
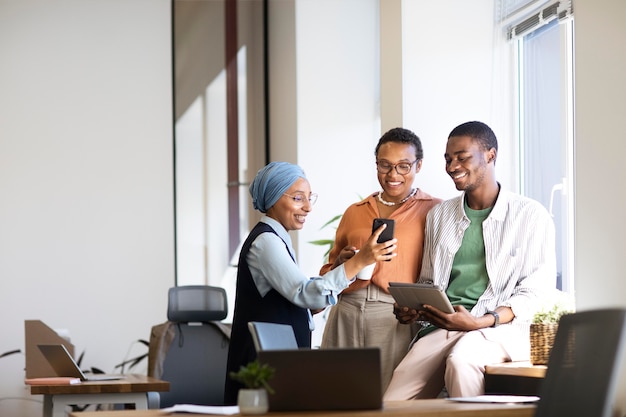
387,234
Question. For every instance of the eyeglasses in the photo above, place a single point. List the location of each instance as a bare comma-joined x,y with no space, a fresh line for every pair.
402,168
299,199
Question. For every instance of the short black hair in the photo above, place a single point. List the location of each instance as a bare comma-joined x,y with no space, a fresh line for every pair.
402,135
478,131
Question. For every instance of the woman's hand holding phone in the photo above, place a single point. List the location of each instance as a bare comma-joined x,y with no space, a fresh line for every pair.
381,243
371,252
387,233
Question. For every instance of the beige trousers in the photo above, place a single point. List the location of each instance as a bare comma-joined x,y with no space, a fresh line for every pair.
452,359
365,318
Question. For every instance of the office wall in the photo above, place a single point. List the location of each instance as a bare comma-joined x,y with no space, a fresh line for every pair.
600,194
461,76
86,213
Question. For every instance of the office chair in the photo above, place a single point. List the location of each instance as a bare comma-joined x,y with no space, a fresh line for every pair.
584,365
190,350
272,336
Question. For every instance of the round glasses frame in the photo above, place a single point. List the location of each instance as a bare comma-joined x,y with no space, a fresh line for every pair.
299,199
402,168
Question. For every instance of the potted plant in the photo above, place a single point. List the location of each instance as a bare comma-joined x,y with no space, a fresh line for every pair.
543,330
255,377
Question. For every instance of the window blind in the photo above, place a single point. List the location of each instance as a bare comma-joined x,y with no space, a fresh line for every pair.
561,9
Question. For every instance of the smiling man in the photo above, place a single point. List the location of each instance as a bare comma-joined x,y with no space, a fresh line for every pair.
494,253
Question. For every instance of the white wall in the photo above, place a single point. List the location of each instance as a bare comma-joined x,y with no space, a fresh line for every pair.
338,108
600,194
86,219
457,78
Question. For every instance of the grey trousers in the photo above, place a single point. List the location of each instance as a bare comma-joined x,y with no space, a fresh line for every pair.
365,318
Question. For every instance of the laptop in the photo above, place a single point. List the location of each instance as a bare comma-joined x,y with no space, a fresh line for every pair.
324,379
64,365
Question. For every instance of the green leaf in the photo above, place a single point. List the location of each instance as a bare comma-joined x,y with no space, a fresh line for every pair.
331,221
322,242
254,375
329,242
551,315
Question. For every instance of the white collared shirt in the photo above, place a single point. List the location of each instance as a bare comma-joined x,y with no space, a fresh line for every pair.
519,248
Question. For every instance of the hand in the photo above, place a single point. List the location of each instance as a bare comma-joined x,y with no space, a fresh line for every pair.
461,319
374,251
405,315
370,252
345,254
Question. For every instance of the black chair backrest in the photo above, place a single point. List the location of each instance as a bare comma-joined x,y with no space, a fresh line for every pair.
195,362
584,365
196,303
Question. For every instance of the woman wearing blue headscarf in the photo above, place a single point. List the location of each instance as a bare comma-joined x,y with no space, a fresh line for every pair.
270,285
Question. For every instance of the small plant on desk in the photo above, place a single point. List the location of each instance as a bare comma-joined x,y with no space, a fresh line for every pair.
543,330
255,377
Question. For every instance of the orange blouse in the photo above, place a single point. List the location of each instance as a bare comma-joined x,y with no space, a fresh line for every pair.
355,228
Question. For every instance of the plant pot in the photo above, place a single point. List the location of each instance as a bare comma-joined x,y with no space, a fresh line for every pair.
252,401
541,342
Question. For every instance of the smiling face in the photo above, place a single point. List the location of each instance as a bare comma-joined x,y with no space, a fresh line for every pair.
396,186
287,211
468,164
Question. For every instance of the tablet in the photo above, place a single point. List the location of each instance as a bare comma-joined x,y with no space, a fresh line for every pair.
415,295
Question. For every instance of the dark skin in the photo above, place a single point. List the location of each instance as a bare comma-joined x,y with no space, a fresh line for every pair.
395,186
472,168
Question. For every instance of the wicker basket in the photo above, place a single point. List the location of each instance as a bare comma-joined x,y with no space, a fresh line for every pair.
541,342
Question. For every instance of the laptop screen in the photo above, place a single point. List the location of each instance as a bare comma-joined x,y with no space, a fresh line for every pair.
64,365
324,379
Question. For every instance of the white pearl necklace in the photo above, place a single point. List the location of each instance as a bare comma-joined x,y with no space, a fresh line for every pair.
393,203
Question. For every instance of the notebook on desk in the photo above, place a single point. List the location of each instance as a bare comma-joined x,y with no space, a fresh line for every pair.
64,365
324,379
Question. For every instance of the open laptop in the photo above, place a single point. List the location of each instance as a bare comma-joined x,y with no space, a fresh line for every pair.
64,365
324,379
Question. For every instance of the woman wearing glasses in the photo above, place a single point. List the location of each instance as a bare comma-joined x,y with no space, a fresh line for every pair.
363,316
270,285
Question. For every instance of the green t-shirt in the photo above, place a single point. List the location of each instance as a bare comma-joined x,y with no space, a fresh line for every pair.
468,278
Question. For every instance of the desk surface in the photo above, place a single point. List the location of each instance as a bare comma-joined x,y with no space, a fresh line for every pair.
416,408
130,384
517,369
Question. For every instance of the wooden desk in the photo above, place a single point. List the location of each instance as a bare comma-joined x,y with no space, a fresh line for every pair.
517,369
518,378
133,389
416,408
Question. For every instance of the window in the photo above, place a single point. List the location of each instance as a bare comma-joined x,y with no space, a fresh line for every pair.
545,128
219,133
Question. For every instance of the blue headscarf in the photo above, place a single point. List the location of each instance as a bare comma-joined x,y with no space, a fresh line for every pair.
271,182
